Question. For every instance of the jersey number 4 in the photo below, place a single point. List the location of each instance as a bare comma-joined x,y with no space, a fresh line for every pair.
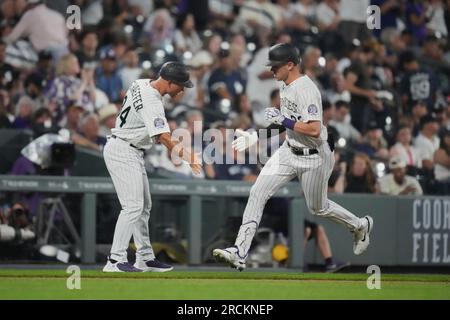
124,114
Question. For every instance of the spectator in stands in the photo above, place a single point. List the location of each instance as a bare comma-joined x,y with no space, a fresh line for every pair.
292,19
107,118
311,66
221,14
185,36
45,28
45,68
342,122
200,65
67,87
131,69
24,111
89,129
107,77
416,19
403,148
337,181
230,167
397,183
442,161
43,123
427,142
225,84
416,83
8,74
327,15
71,120
360,178
353,23
34,86
390,10
5,121
358,83
158,29
436,18
258,18
194,125
89,45
373,143
418,111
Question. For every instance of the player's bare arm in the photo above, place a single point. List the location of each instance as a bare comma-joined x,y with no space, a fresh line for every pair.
183,153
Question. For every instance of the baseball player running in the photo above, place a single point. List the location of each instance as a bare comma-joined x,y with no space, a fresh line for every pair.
307,154
140,123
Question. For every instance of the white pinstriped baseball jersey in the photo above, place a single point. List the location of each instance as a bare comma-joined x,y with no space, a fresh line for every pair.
301,101
142,115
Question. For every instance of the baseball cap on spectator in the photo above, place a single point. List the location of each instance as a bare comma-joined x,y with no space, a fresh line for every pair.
427,119
36,79
396,163
200,59
106,112
373,125
108,54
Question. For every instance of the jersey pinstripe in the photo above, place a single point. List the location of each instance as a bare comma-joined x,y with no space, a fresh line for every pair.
301,101
141,116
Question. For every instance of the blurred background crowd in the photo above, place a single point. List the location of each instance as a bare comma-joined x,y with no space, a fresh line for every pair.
385,92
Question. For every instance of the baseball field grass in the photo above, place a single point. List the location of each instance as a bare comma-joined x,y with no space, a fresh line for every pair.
201,285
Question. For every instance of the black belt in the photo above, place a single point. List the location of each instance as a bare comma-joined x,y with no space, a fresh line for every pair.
302,151
131,145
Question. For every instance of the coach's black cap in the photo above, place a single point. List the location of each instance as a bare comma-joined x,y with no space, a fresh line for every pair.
177,73
282,53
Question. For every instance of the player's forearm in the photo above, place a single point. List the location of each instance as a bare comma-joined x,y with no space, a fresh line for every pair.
274,129
166,140
311,128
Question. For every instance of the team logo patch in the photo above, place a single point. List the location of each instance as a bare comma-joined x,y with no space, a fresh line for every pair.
158,123
312,109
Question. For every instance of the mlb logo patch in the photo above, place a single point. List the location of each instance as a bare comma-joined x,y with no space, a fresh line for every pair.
159,123
313,110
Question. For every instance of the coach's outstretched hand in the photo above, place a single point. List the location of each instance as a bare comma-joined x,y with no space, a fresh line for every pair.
195,163
273,115
245,140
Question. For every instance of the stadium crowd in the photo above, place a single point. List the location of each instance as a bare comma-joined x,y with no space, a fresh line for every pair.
385,91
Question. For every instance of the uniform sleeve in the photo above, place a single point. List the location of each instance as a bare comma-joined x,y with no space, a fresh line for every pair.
152,112
311,105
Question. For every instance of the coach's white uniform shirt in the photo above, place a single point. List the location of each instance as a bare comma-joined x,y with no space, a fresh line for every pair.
142,115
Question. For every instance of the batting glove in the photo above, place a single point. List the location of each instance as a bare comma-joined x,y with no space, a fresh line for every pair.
273,115
245,140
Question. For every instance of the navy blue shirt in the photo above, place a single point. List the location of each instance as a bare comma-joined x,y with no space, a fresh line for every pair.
419,85
234,81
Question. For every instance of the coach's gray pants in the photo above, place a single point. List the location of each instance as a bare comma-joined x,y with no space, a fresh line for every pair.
126,167
313,172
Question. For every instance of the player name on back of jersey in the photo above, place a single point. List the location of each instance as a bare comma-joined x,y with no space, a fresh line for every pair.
136,96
